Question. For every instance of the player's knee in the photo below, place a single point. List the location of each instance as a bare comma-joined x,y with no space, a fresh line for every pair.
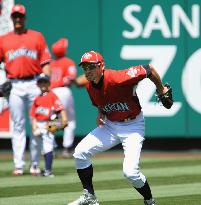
81,153
136,178
82,158
18,127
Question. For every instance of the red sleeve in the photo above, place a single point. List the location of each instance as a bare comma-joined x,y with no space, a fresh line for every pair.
128,76
33,109
45,56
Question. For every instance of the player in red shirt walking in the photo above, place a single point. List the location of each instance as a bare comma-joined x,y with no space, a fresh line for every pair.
25,54
120,120
45,107
63,73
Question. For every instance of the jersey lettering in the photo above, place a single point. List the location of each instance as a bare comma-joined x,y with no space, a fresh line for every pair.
42,110
120,107
12,55
56,74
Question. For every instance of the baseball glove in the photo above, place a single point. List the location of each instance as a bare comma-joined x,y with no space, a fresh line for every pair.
5,89
166,99
55,125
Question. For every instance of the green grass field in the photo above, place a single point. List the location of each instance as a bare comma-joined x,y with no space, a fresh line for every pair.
175,180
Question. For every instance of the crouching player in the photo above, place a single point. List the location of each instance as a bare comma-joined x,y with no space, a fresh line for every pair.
46,108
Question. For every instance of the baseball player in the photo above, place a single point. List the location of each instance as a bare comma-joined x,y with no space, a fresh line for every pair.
25,54
46,107
63,73
120,120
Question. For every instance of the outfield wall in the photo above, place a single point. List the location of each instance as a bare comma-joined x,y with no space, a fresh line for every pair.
165,33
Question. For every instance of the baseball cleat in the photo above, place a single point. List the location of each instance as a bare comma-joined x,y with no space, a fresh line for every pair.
18,172
85,199
34,170
149,202
47,173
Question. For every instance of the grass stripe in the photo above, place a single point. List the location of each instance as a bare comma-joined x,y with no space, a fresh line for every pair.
181,200
99,176
104,195
107,162
174,181
101,185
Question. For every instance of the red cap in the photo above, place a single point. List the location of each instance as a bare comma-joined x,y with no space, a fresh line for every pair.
18,8
59,47
91,57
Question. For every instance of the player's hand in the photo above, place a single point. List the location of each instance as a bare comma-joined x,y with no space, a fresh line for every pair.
37,132
165,97
165,90
100,119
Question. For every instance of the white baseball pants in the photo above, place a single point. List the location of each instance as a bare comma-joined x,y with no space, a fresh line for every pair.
21,98
48,142
130,134
65,96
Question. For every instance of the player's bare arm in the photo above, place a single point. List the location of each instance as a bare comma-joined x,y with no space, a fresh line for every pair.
46,69
80,81
64,118
164,92
34,124
155,78
36,131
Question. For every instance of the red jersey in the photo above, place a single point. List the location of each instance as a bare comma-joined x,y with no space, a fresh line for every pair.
44,105
23,54
63,72
115,94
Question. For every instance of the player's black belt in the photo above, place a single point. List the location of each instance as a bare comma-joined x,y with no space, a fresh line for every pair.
127,119
25,78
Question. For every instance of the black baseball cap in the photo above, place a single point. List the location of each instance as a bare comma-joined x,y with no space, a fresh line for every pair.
43,77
